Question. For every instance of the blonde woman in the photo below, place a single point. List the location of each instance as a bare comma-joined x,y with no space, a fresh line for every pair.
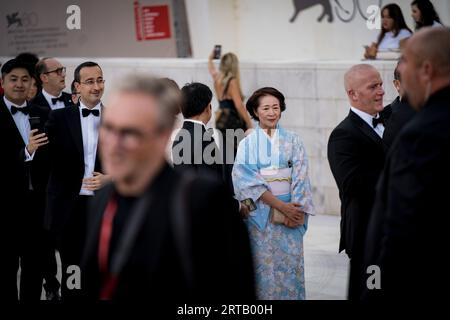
227,84
232,113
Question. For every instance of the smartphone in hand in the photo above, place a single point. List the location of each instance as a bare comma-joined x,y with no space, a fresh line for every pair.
217,51
35,123
250,204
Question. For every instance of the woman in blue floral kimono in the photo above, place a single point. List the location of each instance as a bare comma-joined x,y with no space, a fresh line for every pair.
271,169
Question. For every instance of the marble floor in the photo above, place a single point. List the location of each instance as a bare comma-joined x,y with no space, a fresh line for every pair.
326,270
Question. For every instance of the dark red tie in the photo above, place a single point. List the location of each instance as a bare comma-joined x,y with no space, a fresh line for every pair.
109,281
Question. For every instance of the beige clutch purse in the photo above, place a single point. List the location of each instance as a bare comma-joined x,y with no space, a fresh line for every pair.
276,217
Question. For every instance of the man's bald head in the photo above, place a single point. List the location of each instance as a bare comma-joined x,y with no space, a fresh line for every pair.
364,88
354,75
433,45
425,64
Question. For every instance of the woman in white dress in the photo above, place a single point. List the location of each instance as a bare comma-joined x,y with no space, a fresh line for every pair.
393,31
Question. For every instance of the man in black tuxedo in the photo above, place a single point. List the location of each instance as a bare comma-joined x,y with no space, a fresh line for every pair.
400,113
52,75
157,233
22,186
356,157
194,147
407,231
75,169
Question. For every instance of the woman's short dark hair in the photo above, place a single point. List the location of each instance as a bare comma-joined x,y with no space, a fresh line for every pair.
253,101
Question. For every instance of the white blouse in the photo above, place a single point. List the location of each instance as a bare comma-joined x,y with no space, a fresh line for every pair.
390,42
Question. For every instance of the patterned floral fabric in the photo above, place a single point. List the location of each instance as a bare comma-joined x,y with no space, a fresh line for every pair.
277,250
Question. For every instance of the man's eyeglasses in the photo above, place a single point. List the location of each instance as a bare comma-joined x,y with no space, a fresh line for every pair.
91,82
58,71
130,137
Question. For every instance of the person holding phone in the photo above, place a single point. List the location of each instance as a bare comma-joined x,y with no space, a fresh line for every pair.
22,191
232,114
276,180
227,84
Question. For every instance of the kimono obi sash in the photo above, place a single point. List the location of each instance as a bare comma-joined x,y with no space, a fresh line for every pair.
279,180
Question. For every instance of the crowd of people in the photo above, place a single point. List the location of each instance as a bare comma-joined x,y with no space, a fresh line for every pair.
394,30
137,212
391,168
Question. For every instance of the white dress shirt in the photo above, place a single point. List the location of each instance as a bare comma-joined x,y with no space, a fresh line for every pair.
48,97
89,131
23,125
379,129
391,42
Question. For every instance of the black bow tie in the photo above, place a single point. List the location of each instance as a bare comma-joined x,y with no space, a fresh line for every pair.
24,110
376,121
85,112
60,98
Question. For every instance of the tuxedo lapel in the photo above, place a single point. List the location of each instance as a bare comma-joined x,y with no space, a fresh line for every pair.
365,128
67,99
9,123
74,124
40,100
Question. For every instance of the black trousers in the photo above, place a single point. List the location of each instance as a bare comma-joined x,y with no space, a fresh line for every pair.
357,278
9,265
71,248
21,243
33,247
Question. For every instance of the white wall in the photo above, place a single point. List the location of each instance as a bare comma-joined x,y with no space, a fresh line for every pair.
260,29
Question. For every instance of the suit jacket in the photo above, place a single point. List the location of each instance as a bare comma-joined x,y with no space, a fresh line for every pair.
356,157
17,174
67,165
411,214
220,251
196,146
40,100
401,114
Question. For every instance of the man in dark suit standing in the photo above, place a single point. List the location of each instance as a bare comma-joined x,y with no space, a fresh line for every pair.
194,146
407,231
52,75
356,157
400,112
156,233
75,170
21,187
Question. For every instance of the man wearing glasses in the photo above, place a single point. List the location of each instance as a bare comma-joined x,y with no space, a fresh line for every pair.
53,78
75,169
52,75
